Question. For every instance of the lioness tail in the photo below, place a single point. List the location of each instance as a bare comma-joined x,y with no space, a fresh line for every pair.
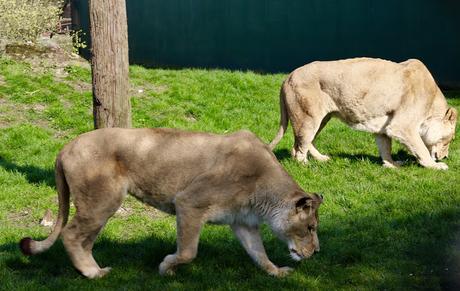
29,246
283,121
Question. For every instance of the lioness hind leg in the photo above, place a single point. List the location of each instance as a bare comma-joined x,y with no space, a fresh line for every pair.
79,235
304,137
78,238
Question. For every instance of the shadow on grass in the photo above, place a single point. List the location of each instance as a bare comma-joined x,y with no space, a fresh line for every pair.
403,254
34,175
401,155
220,263
282,154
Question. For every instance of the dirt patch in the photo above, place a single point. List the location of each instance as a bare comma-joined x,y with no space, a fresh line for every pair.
25,50
123,212
79,86
153,213
190,117
48,54
144,90
131,206
22,219
6,118
12,113
160,89
38,107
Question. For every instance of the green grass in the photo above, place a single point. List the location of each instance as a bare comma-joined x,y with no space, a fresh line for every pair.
380,228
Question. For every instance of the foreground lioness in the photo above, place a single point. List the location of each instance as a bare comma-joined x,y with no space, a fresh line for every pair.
233,179
391,100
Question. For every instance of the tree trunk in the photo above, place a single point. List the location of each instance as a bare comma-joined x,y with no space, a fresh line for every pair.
109,63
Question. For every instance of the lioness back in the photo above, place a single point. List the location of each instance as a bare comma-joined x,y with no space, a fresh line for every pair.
359,88
173,157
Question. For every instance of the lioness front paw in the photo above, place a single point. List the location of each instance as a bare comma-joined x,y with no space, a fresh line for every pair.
300,157
281,272
166,268
440,166
391,165
96,273
104,271
166,271
322,158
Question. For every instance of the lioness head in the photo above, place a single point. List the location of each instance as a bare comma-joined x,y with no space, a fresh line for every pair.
439,133
299,229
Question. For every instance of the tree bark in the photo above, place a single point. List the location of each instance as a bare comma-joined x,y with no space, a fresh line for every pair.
109,63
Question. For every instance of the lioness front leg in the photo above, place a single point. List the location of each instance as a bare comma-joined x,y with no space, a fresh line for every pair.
189,222
384,146
414,143
252,243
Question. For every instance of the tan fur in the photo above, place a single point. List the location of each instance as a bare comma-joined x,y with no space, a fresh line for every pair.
233,179
391,100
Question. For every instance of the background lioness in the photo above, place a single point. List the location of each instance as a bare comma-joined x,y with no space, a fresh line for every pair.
233,179
391,100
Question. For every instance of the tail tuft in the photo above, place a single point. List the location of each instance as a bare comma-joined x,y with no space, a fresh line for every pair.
25,246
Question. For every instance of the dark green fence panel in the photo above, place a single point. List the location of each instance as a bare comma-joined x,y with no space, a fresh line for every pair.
280,35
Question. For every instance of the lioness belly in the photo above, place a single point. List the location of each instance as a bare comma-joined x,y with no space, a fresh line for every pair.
374,125
241,216
161,202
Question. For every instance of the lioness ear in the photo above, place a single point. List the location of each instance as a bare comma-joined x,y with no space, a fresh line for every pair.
319,197
451,115
303,203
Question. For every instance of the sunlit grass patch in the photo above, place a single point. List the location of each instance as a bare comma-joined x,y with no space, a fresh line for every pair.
380,228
